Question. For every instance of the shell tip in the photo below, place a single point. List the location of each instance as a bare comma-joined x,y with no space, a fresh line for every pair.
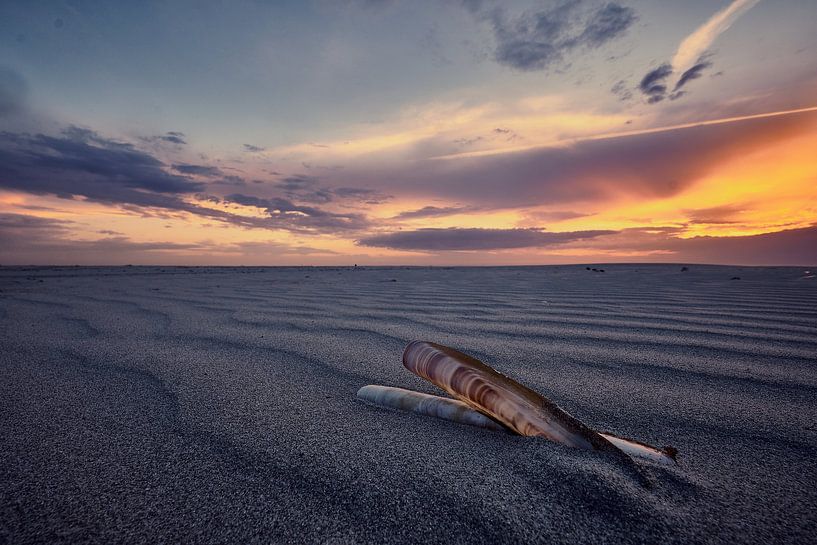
671,451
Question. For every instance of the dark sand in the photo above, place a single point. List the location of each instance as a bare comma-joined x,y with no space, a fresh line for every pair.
218,405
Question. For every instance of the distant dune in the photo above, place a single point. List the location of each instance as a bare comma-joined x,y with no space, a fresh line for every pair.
163,404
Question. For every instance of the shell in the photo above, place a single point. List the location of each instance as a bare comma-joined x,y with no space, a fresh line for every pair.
428,405
519,408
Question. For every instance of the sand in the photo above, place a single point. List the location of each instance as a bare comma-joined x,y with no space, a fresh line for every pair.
216,405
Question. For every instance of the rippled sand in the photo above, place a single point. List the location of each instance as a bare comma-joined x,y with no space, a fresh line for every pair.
218,405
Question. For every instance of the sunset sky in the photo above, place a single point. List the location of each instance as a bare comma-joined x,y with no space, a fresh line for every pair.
385,132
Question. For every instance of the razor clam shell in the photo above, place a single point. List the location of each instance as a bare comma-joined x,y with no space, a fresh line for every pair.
428,405
519,408
456,411
637,449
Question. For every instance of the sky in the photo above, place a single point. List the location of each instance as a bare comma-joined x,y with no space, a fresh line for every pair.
447,132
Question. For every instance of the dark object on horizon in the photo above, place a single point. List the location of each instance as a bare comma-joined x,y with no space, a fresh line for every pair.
684,269
588,268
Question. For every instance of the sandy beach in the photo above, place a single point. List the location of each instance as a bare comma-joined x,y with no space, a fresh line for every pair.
217,405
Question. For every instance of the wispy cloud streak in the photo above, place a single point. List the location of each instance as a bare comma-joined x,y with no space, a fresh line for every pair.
704,36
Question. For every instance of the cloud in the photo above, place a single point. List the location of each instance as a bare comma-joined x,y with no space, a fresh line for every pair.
14,222
361,194
715,214
199,170
696,44
28,239
174,137
231,180
354,192
474,239
541,39
79,163
24,232
171,137
305,188
432,212
789,247
654,85
621,90
641,165
311,189
299,217
606,24
467,141
694,72
786,247
692,58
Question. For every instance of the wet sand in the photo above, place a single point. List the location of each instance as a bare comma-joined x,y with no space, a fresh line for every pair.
218,405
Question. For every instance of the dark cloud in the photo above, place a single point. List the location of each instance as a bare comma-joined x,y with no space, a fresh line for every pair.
14,222
81,164
199,170
361,194
606,24
432,211
621,90
171,137
785,247
474,239
298,182
253,149
654,85
305,188
174,137
297,217
311,189
693,73
355,192
231,180
788,247
541,39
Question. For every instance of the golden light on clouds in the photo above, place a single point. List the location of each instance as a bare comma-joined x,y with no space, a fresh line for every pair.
765,187
489,127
